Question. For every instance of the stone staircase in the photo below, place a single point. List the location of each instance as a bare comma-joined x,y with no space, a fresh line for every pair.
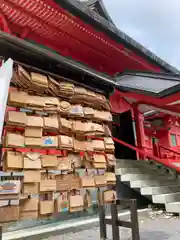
152,180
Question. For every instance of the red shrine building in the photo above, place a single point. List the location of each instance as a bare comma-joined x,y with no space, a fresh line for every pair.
61,35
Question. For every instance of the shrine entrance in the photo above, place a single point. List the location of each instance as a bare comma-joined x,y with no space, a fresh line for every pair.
123,130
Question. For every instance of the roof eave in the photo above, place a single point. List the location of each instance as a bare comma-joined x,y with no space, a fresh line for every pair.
11,45
114,33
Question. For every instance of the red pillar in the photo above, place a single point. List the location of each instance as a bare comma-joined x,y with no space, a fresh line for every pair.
139,126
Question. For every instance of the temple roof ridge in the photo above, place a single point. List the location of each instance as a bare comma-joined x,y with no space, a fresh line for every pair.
97,6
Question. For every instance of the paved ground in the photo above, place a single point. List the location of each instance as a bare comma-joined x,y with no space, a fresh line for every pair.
157,226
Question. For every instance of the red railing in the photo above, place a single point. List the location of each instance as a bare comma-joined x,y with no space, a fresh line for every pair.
168,153
167,162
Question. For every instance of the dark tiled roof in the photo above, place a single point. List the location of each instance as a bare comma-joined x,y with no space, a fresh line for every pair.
153,84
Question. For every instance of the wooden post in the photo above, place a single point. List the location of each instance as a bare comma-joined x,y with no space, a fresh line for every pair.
115,223
103,232
114,219
1,228
134,220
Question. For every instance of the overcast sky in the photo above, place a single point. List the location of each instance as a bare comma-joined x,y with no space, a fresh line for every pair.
153,23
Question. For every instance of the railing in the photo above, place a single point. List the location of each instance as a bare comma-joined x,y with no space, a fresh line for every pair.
142,152
164,161
167,162
115,222
168,153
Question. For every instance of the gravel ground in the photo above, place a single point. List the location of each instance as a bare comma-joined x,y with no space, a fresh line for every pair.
158,226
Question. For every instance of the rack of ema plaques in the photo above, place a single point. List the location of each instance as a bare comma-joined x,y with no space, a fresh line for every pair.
53,128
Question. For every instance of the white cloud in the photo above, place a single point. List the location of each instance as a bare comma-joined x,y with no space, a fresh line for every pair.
153,23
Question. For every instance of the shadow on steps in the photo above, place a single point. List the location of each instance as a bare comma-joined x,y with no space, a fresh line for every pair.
124,191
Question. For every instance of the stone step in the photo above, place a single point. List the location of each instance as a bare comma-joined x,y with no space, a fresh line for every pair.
151,180
152,183
166,198
118,160
127,164
124,170
141,162
129,161
144,176
144,166
134,163
173,207
160,190
140,168
132,177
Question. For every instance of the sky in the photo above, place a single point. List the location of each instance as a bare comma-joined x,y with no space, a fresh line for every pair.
153,23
